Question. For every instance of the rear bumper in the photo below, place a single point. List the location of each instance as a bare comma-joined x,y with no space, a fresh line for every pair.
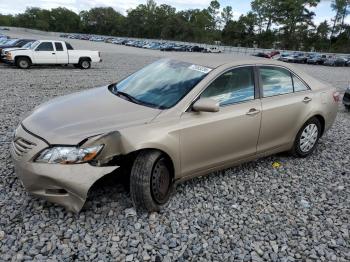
66,185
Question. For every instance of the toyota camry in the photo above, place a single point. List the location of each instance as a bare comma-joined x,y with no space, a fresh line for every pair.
168,122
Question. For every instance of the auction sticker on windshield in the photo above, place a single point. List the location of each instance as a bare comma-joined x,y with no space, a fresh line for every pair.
199,68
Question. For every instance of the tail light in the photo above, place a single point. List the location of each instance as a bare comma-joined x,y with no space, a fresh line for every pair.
336,97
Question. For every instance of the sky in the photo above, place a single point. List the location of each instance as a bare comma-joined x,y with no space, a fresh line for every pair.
323,10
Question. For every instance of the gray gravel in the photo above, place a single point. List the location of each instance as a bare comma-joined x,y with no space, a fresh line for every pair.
254,212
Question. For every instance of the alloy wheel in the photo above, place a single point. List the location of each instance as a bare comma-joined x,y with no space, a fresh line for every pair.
308,138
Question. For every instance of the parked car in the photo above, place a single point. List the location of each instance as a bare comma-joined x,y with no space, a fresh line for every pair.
261,54
347,63
300,58
335,61
196,48
52,52
5,51
267,55
346,99
15,44
213,49
167,47
283,56
316,59
160,136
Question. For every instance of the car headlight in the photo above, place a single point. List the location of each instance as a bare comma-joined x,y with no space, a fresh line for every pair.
68,155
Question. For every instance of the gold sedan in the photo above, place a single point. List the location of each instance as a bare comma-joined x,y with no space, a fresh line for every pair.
169,122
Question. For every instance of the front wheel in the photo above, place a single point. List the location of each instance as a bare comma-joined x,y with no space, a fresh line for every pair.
307,138
23,63
150,181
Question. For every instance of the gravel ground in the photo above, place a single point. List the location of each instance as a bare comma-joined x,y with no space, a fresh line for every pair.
254,212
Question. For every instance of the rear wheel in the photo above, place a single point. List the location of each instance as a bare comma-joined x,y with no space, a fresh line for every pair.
23,63
84,64
150,181
307,138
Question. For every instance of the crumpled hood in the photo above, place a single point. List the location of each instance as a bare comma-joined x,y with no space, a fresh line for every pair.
72,118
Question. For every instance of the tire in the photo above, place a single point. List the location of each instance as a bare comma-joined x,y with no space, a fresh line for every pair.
84,64
151,181
23,63
347,107
310,133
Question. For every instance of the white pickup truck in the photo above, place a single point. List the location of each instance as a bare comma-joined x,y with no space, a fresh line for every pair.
44,52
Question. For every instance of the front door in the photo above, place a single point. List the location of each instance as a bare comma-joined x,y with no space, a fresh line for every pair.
44,54
209,140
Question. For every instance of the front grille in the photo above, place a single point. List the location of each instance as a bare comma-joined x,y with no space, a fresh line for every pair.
22,146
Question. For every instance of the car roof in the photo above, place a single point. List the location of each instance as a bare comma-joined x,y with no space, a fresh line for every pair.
226,61
216,60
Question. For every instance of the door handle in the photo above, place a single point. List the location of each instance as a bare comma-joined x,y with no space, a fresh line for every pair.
307,99
253,112
53,53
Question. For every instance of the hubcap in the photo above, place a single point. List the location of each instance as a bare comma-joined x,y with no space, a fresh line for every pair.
85,64
23,63
308,138
160,181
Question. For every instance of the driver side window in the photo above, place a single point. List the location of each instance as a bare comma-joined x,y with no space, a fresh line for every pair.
234,86
45,46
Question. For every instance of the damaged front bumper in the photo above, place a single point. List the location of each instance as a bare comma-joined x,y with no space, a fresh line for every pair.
66,185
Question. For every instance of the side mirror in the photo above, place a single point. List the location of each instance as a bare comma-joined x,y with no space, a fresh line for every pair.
206,105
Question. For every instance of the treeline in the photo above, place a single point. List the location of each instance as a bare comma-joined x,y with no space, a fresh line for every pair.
287,24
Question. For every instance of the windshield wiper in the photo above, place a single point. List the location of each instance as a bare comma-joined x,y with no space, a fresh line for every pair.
126,95
133,99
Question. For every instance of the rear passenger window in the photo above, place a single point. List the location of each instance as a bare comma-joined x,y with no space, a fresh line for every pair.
298,84
69,46
275,81
45,46
58,46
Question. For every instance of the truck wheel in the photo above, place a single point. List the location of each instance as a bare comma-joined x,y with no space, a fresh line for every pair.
307,138
150,181
84,64
23,63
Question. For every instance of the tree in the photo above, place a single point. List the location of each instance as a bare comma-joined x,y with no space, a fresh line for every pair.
6,20
293,15
102,20
213,11
227,14
341,11
64,20
266,12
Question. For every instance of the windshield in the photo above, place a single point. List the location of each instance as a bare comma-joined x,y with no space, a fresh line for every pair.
11,42
34,45
28,45
161,84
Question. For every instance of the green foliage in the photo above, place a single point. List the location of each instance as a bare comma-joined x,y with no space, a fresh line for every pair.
270,24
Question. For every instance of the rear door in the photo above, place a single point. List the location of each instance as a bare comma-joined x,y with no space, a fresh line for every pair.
286,101
44,53
61,53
